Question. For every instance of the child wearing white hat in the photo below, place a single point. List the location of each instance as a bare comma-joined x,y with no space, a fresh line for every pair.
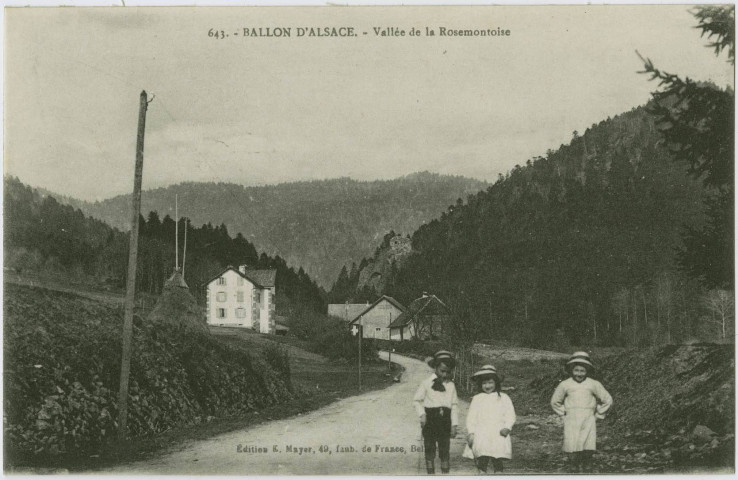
580,400
489,422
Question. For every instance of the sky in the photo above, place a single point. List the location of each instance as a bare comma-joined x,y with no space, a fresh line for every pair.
263,110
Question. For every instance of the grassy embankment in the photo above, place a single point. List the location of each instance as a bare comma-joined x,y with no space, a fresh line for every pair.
79,334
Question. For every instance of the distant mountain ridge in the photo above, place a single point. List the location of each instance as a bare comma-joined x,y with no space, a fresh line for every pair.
319,225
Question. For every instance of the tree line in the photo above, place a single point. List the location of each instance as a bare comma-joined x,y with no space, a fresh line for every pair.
44,236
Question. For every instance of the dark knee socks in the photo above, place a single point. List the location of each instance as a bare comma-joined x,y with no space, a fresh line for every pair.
581,460
430,468
483,462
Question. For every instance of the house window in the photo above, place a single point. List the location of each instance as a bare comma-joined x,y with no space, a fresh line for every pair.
240,313
240,281
257,314
221,281
221,296
257,296
220,312
239,297
379,329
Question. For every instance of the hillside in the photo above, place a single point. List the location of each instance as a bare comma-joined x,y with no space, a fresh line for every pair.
581,244
319,225
673,407
61,374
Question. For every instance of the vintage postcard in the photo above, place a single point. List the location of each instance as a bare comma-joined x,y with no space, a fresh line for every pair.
369,240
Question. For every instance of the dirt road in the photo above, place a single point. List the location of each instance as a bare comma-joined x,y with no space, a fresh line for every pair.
375,433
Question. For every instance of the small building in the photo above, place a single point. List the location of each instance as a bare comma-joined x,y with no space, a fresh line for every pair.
422,320
281,325
376,318
242,298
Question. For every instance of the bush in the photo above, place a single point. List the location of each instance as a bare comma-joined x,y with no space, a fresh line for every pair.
330,337
62,368
278,357
342,345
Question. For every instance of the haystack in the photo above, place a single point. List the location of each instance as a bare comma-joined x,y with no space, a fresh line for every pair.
176,306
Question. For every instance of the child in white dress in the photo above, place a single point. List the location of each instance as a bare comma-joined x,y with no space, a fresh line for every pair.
581,401
489,421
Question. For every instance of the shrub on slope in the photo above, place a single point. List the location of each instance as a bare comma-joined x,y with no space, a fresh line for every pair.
673,388
62,364
661,395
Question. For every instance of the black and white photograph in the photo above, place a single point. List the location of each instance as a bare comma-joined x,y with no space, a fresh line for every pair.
368,239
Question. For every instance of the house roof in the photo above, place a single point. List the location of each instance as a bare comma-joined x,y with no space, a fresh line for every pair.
391,300
346,311
427,305
260,278
263,278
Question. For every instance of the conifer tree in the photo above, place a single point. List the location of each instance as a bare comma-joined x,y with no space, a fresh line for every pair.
697,122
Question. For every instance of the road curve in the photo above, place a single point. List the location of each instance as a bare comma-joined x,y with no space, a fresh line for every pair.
380,426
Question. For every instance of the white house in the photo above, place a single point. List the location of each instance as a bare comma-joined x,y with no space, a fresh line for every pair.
242,298
376,318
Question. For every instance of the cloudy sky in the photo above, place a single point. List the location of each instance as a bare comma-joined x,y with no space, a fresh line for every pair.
267,110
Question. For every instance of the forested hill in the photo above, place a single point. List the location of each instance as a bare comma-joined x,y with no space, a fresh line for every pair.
45,237
320,225
581,243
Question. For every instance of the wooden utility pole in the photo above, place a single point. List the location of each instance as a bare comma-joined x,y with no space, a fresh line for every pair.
125,364
389,336
361,337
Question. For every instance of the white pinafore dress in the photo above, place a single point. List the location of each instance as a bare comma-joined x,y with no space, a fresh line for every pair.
580,404
488,414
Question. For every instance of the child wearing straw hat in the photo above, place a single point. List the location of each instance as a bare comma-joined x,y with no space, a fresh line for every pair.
489,421
580,400
437,407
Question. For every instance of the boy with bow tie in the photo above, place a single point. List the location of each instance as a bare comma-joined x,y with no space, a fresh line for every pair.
438,408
